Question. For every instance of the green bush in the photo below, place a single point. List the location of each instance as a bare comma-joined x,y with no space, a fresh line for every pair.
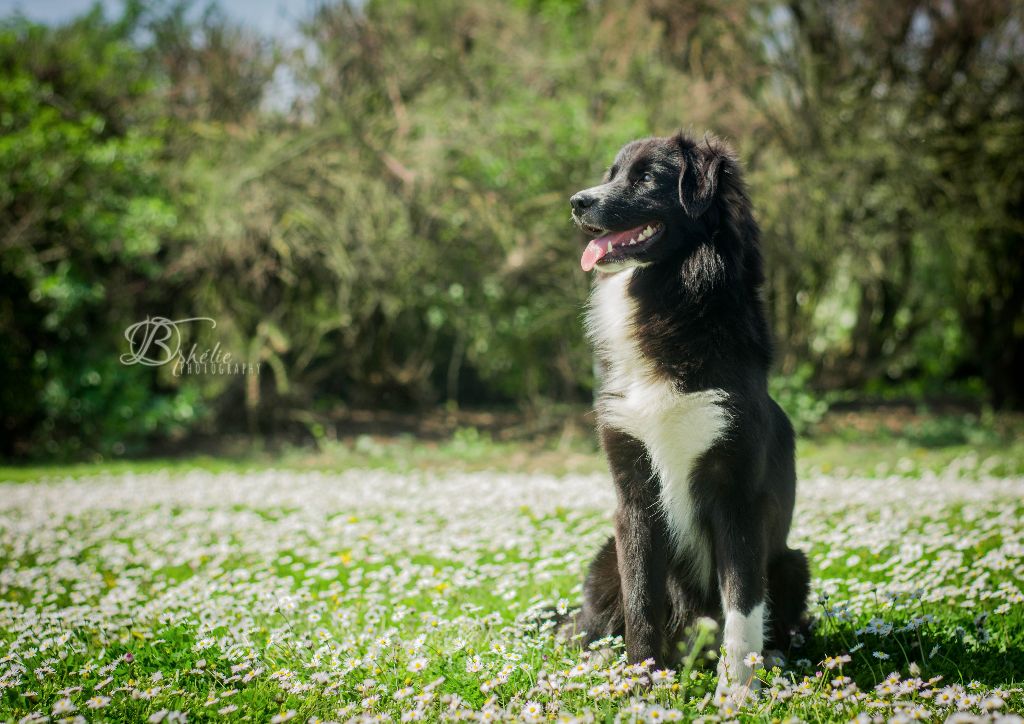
796,397
83,213
398,235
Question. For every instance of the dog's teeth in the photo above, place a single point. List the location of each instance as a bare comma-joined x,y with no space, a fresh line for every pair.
609,247
648,231
632,241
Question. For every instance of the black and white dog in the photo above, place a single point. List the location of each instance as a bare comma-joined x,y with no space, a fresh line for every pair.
701,456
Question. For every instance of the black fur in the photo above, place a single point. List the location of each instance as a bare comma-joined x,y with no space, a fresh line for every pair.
701,324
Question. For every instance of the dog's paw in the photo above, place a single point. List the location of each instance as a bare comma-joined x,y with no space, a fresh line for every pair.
737,682
736,695
567,628
602,658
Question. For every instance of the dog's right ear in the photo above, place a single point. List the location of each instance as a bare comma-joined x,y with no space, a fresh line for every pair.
698,178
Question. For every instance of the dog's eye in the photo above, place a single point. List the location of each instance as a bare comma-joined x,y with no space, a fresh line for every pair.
647,177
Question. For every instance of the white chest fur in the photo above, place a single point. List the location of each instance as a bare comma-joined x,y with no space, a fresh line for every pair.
675,427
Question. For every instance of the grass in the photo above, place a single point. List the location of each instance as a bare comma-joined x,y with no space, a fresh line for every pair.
402,578
868,444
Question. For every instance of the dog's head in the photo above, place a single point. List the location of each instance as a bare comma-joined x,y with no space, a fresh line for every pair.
657,199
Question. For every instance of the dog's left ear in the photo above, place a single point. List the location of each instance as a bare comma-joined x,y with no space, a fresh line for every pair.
698,179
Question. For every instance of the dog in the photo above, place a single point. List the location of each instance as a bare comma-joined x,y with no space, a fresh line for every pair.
701,456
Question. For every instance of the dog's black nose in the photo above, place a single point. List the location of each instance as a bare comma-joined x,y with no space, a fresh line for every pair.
581,200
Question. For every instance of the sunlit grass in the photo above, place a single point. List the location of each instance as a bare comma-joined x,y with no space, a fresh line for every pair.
291,593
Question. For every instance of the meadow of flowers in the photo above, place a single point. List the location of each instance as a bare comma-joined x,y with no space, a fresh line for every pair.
369,595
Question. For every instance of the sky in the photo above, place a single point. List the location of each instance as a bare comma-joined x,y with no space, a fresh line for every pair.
269,17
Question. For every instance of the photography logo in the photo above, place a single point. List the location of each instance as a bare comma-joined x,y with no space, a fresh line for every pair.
157,341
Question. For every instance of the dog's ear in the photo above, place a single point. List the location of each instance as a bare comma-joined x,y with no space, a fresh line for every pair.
698,178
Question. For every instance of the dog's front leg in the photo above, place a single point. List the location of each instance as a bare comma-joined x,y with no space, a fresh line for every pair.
640,547
739,559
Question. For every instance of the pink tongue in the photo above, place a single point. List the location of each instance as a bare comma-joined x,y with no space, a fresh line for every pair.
592,254
598,247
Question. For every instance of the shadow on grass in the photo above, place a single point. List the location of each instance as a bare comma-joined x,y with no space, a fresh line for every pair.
958,655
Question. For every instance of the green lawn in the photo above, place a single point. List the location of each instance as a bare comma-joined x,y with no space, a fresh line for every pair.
400,579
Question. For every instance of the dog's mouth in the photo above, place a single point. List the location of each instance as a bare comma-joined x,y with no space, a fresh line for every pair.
613,246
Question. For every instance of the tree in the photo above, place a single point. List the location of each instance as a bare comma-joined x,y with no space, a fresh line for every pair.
81,218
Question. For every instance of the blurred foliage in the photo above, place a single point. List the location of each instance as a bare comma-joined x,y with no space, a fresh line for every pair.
378,214
84,215
795,395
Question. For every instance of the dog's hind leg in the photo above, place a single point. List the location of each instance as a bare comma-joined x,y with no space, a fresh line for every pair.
686,604
602,613
789,583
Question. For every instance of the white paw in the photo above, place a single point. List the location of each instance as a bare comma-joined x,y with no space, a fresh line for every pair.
737,681
603,657
742,643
